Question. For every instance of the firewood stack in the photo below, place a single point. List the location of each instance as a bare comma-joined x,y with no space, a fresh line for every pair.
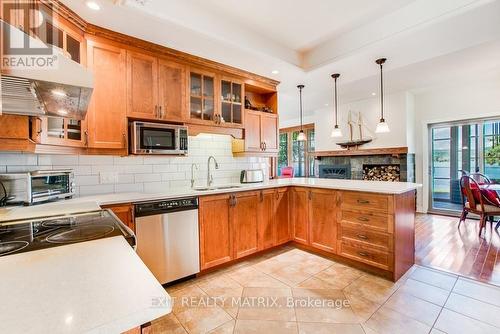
381,173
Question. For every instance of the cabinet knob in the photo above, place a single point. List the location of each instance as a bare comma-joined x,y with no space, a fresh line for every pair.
362,236
363,254
363,219
363,201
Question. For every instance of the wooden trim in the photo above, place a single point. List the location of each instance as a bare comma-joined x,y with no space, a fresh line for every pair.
297,128
196,129
369,151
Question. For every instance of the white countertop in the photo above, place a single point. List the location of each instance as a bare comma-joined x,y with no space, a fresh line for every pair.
99,286
88,203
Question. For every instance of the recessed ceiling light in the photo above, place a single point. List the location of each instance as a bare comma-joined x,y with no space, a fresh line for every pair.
62,112
93,5
373,94
275,72
326,104
58,92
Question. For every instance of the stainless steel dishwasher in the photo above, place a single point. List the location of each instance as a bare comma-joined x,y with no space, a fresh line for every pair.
168,238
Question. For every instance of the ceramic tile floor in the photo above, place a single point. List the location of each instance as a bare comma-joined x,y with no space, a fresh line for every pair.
292,291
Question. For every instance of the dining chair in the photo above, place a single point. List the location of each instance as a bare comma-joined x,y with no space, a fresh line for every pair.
287,172
481,201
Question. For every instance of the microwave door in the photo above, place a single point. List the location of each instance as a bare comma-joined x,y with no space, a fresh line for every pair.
157,139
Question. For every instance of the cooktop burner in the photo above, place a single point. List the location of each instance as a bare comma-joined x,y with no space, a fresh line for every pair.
53,232
12,246
80,233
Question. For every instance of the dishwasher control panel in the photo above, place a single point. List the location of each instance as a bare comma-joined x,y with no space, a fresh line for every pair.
165,206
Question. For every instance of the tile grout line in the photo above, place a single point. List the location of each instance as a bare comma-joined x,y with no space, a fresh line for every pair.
442,308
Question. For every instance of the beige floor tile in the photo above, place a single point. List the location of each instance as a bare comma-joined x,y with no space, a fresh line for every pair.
227,298
425,291
433,277
477,290
180,286
167,324
291,275
362,307
321,328
455,323
189,297
328,306
226,328
219,281
475,309
266,304
373,288
249,277
265,327
269,265
386,320
368,330
339,275
436,331
414,307
316,283
203,319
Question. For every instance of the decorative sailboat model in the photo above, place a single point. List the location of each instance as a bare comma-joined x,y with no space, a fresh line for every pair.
355,143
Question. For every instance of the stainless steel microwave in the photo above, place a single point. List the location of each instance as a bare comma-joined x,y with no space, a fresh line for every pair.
158,138
38,186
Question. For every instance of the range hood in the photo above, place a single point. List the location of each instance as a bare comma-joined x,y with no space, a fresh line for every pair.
62,91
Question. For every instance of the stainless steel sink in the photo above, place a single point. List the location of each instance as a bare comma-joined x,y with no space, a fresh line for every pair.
216,188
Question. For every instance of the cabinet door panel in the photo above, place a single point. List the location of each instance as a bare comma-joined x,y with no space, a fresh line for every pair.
267,227
172,90
300,215
245,224
322,219
282,216
142,86
107,120
269,128
215,231
124,212
252,131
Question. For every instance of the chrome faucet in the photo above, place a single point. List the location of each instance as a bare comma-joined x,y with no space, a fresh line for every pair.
193,168
210,177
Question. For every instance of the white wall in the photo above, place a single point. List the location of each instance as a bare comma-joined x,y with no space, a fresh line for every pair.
452,102
112,174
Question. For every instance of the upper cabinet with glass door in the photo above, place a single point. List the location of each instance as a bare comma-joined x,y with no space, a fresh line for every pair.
202,97
231,107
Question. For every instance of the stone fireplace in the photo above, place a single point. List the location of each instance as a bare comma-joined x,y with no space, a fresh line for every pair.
391,172
379,164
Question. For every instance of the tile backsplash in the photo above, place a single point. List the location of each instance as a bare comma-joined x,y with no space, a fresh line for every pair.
99,174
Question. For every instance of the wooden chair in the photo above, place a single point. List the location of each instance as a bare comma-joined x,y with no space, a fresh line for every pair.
479,201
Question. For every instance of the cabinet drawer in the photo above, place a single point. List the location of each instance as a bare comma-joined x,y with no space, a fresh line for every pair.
367,201
359,252
358,233
379,222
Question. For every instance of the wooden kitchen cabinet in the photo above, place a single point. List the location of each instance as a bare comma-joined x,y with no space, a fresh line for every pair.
106,117
142,86
267,219
124,212
14,133
261,134
245,218
300,214
171,90
202,97
323,208
231,102
216,232
282,216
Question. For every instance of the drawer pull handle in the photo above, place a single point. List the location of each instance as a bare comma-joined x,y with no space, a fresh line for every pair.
362,236
363,254
363,219
363,201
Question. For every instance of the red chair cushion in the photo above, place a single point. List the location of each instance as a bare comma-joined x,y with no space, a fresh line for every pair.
491,196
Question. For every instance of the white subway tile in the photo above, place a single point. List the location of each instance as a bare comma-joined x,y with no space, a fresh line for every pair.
157,160
173,176
156,187
26,168
129,187
3,169
77,170
96,189
18,159
180,183
131,160
147,177
86,180
165,168
125,178
132,169
62,160
97,169
95,160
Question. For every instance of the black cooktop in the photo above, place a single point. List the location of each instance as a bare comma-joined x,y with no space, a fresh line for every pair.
52,232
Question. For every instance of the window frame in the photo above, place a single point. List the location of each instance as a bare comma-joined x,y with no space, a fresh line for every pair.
308,152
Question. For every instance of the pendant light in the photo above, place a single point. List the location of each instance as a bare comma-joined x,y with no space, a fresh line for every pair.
382,126
302,135
336,132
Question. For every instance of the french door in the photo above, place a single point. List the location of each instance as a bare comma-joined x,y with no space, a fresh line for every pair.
471,146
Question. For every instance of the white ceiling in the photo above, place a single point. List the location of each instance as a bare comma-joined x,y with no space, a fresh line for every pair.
426,41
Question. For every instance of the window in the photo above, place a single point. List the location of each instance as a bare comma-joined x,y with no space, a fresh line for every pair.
299,155
468,146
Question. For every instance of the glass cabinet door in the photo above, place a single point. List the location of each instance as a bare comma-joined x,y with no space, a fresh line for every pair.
201,91
63,131
231,102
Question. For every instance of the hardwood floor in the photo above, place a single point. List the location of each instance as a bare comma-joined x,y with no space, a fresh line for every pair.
440,244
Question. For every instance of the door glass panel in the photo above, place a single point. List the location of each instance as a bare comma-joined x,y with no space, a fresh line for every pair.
226,94
73,48
195,107
195,84
208,109
208,86
74,129
55,127
492,150
226,111
237,114
236,93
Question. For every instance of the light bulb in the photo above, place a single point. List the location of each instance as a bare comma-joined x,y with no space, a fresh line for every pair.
336,132
301,136
382,127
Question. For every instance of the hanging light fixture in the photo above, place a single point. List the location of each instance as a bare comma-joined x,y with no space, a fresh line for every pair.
336,132
382,126
302,135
